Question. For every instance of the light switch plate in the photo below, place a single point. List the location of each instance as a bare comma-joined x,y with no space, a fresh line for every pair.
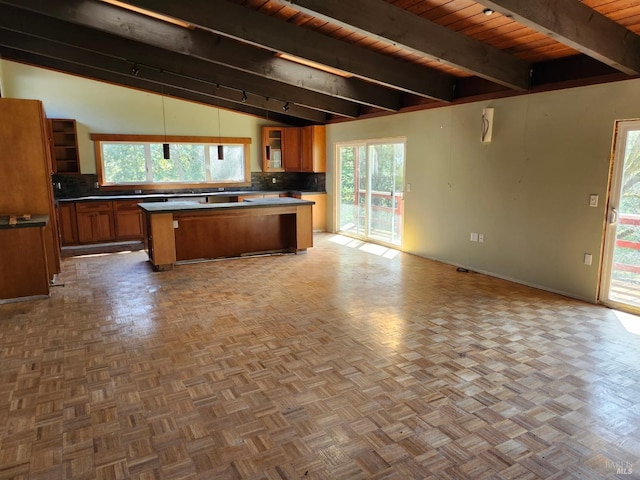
474,237
593,200
588,258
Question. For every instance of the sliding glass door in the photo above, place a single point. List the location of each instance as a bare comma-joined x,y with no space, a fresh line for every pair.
371,181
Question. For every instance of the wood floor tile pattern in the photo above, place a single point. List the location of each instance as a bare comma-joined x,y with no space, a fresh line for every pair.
337,364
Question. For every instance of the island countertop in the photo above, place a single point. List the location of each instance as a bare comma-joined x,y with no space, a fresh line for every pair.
176,232
170,207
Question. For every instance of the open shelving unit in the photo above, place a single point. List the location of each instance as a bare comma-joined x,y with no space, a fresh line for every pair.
65,146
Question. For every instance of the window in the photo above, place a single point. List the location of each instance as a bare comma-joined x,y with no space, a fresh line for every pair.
138,160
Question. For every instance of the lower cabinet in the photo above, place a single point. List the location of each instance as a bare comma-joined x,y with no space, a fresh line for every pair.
68,224
95,222
99,221
128,218
318,211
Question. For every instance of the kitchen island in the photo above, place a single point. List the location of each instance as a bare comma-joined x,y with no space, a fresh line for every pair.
177,232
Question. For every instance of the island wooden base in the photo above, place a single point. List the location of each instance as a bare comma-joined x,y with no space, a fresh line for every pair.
179,236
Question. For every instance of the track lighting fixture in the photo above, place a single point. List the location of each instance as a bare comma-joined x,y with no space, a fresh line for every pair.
488,11
244,96
135,71
286,107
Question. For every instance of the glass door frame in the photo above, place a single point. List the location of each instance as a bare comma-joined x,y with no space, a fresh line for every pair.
367,144
621,131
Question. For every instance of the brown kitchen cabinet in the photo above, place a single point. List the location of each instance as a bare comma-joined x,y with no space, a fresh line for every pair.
95,222
272,144
99,221
68,223
294,149
291,152
128,224
313,149
25,172
318,210
64,146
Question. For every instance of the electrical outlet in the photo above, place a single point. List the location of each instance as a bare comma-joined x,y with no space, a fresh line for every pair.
175,224
588,258
481,237
273,180
593,200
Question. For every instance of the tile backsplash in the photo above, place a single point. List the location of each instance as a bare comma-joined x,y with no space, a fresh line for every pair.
71,186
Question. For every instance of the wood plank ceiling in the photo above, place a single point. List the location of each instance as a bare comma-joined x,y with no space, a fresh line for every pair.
376,57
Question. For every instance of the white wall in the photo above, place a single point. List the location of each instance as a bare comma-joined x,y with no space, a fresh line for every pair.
527,191
104,108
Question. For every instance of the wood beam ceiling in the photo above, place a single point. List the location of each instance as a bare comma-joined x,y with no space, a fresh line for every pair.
379,19
575,24
247,25
211,48
227,83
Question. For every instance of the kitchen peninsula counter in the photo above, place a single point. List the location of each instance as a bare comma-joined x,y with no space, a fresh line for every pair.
177,232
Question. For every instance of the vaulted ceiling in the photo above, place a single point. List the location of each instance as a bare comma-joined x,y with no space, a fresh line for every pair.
317,61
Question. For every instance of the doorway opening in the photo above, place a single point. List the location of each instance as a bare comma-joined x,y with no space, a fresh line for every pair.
371,189
620,280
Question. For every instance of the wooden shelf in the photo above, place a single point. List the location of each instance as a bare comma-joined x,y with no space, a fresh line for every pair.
64,146
272,160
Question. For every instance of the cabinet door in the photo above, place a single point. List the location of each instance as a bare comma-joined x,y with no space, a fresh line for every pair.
272,149
313,140
319,210
128,220
68,223
95,222
291,149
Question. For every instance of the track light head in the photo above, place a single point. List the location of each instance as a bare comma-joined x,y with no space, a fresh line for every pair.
285,107
244,97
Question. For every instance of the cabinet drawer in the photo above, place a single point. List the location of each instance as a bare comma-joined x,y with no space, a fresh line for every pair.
84,207
121,205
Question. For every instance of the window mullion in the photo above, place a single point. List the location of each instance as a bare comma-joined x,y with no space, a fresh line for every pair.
147,162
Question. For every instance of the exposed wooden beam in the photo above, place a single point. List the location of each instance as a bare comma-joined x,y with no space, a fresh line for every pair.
387,22
578,26
118,66
262,30
139,83
212,48
49,28
104,55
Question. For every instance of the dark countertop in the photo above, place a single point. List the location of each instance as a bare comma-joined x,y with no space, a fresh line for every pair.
170,207
34,221
170,196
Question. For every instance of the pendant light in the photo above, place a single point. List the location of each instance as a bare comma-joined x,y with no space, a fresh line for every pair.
220,147
166,153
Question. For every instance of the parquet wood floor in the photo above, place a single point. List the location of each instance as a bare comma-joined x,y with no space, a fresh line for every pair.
337,364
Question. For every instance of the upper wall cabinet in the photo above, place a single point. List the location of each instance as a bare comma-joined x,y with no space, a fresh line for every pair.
272,143
294,149
313,149
64,148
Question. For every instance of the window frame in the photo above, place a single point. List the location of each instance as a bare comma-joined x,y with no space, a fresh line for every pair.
99,138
